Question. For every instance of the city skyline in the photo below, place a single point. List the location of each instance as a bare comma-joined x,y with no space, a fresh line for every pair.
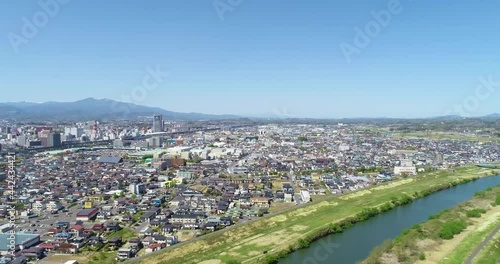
296,60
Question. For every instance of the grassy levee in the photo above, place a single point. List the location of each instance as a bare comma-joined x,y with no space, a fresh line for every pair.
278,235
450,236
466,247
491,253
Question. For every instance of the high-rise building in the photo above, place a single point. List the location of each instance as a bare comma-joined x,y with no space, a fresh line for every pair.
158,123
155,142
43,136
22,140
75,131
49,139
54,140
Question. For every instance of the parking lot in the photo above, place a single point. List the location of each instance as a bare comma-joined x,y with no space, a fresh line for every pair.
41,224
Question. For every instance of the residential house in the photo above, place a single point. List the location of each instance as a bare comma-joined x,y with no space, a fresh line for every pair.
76,230
154,247
125,253
135,244
115,242
260,201
113,227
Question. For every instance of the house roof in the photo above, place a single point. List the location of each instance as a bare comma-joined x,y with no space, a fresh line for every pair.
87,212
153,246
77,227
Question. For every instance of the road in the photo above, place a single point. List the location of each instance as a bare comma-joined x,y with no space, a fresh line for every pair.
482,245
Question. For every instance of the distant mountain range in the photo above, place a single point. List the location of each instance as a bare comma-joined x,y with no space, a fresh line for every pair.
495,115
92,108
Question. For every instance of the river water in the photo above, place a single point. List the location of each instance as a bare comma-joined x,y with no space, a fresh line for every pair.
356,243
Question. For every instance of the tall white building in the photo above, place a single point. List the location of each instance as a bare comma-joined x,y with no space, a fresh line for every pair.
137,189
75,131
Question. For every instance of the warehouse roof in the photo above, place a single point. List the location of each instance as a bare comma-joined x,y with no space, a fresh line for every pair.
110,159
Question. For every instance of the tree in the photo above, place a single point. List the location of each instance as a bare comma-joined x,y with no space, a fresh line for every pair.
19,205
302,138
134,196
115,196
122,194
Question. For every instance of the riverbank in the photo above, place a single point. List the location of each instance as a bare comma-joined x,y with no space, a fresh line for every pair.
268,239
448,237
490,254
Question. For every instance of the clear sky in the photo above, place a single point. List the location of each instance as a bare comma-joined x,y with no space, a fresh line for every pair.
274,58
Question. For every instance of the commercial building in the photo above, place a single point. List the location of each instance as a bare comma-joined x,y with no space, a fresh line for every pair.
87,214
111,160
22,241
155,142
50,139
22,140
157,123
75,131
405,170
54,140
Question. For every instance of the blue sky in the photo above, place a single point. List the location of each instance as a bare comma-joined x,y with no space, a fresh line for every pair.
273,58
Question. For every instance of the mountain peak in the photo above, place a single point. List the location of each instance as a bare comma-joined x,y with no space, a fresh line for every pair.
92,99
95,108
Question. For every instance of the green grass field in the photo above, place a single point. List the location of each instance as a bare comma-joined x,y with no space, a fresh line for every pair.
246,243
469,244
491,254
435,135
125,234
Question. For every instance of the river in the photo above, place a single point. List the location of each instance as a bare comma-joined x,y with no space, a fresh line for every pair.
356,243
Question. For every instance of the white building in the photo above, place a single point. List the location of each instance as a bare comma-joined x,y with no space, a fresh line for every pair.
238,170
305,195
137,189
405,170
56,206
39,206
344,147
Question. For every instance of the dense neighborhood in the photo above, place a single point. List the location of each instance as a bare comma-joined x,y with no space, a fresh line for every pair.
146,190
